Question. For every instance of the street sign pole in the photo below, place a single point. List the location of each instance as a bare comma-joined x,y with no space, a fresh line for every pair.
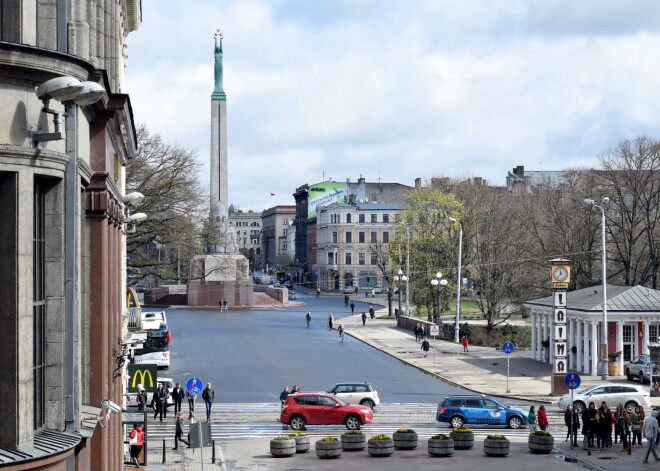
507,347
572,381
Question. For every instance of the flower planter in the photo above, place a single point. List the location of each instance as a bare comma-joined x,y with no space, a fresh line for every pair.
462,440
283,448
380,447
541,444
439,447
405,440
328,450
494,447
302,443
353,442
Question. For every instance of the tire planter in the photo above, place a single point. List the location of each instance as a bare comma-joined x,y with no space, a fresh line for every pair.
353,442
441,447
462,440
405,440
493,447
541,444
380,447
327,450
302,443
282,448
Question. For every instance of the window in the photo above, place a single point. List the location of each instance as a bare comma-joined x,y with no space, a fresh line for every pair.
386,218
473,403
627,333
349,237
284,245
453,402
374,218
326,402
653,334
307,400
373,237
331,258
361,258
361,388
348,259
361,237
285,232
361,217
386,237
285,221
39,304
334,237
348,218
374,258
488,404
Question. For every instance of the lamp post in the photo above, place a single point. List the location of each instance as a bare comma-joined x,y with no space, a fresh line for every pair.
458,279
406,278
439,284
399,277
603,346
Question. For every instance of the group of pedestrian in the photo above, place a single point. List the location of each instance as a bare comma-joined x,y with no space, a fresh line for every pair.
537,420
419,332
284,395
223,305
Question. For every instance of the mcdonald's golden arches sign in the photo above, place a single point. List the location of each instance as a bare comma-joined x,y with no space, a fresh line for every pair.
144,374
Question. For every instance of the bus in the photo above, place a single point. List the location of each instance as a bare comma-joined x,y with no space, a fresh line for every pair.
155,349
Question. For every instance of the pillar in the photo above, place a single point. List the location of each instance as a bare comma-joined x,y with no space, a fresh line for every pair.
533,355
539,336
578,335
619,345
645,339
585,347
594,349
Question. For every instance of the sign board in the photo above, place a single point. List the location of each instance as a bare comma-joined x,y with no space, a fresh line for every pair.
561,349
204,436
560,298
560,333
194,385
560,365
435,330
507,347
572,380
145,374
324,194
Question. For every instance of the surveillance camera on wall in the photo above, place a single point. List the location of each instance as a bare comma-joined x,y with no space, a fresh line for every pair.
111,406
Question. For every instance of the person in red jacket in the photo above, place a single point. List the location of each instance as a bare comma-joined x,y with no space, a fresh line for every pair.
465,343
542,418
137,442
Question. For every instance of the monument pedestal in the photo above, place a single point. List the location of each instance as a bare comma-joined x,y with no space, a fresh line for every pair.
557,386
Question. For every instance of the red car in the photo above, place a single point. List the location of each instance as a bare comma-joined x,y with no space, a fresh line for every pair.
322,409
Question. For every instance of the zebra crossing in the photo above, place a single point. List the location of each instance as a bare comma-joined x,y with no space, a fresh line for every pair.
247,421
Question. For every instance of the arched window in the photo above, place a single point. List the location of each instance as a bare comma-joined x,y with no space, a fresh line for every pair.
348,218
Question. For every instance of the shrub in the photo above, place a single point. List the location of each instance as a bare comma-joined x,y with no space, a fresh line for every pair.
283,437
328,439
461,430
353,432
541,433
380,437
297,434
405,430
441,436
496,437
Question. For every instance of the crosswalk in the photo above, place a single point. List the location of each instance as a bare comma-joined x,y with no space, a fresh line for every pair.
246,421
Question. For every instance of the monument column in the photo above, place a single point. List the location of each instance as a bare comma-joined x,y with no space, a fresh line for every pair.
219,169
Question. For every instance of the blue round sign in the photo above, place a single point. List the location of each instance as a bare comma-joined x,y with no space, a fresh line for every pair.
194,385
572,380
507,347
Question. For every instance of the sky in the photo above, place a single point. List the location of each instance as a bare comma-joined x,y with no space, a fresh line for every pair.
391,90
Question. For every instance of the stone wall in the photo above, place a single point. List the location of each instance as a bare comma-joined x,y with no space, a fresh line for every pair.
208,293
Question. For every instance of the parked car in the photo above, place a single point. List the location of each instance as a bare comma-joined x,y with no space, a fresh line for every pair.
356,393
349,290
304,409
139,288
640,368
293,295
276,284
169,384
460,410
628,395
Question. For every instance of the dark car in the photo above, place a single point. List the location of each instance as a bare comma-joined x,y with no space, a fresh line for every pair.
322,409
460,410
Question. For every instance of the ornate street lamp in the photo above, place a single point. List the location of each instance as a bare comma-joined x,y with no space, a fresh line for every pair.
439,283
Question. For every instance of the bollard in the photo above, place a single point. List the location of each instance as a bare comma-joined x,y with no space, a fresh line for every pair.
164,455
213,451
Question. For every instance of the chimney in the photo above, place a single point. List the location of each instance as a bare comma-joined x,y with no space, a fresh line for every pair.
360,180
519,171
418,183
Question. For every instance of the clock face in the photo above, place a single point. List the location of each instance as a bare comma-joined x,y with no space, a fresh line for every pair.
561,273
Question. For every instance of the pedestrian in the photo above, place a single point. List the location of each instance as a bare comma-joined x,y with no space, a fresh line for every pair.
542,418
352,308
191,400
141,398
597,430
416,328
318,292
225,303
177,397
636,421
308,318
606,428
220,305
531,420
340,330
356,290
208,395
617,416
602,407
593,424
586,429
373,293
136,441
465,341
191,420
284,395
330,321
425,347
364,319
650,430
572,421
178,432
624,429
372,313
165,394
567,421
346,300
157,402
295,389
366,293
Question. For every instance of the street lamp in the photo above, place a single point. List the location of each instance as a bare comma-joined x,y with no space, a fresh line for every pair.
399,277
439,284
458,279
603,346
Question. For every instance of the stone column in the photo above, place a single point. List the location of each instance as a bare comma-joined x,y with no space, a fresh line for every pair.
619,345
578,335
645,339
533,355
585,347
594,349
539,337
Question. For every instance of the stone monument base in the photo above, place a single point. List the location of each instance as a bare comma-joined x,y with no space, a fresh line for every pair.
208,293
220,267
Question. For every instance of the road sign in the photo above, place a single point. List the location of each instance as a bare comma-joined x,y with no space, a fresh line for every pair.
435,330
507,347
572,380
194,385
200,435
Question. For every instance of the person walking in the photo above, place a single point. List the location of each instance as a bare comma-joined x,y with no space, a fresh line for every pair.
157,402
416,332
318,292
650,430
136,441
624,429
340,330
284,395
465,341
220,305
568,417
372,313
542,418
191,401
141,398
191,420
178,432
308,318
225,304
208,395
364,319
636,421
346,300
593,424
606,428
617,430
586,429
295,389
331,320
177,397
531,420
572,421
425,347
352,308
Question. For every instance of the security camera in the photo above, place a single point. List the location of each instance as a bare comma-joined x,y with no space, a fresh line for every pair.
111,406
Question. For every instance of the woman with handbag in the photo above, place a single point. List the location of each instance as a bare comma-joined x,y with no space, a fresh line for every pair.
137,442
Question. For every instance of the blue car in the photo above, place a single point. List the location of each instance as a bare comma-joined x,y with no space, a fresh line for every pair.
460,410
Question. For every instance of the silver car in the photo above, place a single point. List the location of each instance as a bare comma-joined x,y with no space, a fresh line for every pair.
613,394
356,393
639,368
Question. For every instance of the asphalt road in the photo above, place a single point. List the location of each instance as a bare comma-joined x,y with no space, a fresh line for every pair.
250,355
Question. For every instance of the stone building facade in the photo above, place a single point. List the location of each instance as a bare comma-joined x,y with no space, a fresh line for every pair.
62,237
274,241
247,226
